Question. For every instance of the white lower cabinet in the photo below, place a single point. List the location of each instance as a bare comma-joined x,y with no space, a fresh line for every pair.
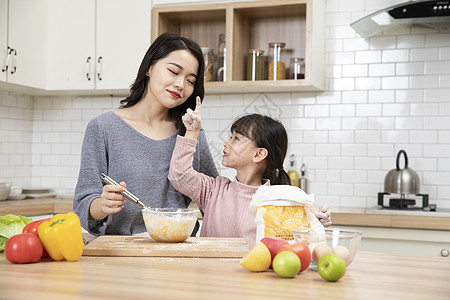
404,241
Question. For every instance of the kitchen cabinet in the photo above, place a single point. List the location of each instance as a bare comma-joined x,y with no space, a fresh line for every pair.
23,38
3,37
66,45
71,46
404,241
252,25
97,44
178,2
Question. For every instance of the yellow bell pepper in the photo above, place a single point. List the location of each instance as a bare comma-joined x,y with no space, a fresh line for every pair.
61,237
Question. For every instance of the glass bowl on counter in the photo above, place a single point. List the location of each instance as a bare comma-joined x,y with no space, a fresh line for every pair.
172,225
5,189
345,243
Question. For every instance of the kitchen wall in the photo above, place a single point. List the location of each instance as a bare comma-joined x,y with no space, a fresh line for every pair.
383,94
16,134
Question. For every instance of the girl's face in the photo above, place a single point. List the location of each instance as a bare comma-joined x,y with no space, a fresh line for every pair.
238,152
172,78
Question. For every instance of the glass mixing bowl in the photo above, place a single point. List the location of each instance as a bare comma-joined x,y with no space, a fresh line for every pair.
172,225
345,243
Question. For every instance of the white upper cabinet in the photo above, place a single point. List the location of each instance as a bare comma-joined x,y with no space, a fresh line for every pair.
97,44
177,2
123,37
24,54
3,38
71,44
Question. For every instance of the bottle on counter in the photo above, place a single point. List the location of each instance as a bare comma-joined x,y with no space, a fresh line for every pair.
277,66
291,172
221,59
303,181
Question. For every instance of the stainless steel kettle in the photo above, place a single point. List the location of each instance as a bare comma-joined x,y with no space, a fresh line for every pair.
402,181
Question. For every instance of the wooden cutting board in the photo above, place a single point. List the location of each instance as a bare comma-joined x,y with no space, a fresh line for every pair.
119,245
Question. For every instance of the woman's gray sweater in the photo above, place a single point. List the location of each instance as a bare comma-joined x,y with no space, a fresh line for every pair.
113,147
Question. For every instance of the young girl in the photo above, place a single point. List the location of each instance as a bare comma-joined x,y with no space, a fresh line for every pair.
135,142
256,150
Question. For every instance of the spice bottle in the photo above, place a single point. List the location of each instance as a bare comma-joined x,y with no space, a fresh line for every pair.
255,65
303,181
208,57
291,172
297,68
276,61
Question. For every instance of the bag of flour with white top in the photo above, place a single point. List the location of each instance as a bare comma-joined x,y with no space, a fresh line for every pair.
280,209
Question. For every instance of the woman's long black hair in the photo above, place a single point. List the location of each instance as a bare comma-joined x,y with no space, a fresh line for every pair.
165,44
270,134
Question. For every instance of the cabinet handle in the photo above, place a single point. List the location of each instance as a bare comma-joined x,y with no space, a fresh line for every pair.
99,68
444,252
8,58
14,61
88,68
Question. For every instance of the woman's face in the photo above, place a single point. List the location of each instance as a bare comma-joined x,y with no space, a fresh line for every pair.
172,78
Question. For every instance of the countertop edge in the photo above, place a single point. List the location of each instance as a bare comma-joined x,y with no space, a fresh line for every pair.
344,216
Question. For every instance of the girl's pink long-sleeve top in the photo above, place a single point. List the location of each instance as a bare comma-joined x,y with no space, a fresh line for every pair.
226,203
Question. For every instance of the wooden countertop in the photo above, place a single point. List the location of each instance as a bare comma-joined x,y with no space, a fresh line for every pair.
371,276
343,216
391,218
36,206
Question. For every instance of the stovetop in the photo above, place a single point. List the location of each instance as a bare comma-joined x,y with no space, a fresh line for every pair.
405,202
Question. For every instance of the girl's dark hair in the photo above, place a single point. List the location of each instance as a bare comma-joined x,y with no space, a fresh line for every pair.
270,134
165,44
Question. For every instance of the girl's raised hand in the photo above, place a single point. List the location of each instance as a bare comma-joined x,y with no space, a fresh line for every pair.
192,120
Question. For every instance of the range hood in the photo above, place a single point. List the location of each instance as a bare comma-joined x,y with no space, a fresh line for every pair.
432,14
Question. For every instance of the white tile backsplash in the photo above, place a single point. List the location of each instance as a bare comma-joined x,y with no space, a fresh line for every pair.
395,82
367,57
386,69
424,54
385,93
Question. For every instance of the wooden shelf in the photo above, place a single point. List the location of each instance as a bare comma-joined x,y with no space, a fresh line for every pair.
252,25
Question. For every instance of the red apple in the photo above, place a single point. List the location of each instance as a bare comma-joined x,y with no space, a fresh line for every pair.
273,244
302,251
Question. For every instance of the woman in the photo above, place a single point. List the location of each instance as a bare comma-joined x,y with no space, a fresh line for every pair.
134,143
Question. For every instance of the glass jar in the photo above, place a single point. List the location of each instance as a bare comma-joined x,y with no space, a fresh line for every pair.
297,68
208,57
221,59
255,64
276,61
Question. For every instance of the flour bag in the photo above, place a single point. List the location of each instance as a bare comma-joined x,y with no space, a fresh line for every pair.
280,209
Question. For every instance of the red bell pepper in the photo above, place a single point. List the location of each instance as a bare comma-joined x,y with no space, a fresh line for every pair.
33,228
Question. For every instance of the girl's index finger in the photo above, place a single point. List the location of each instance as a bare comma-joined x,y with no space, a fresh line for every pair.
198,105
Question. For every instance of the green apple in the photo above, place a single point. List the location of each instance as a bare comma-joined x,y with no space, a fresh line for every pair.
331,267
286,264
